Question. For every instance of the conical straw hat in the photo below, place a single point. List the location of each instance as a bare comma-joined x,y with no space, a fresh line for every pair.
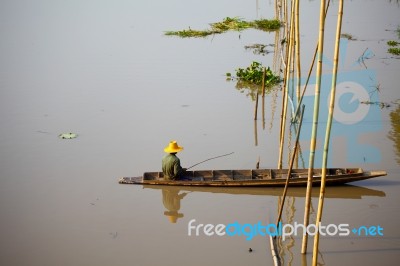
173,147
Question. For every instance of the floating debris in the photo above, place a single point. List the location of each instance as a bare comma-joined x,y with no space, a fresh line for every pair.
348,36
68,135
259,48
380,104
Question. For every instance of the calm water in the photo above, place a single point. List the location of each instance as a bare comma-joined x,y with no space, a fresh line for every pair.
105,71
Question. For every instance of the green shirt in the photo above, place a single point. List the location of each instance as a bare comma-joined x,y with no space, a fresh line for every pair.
171,167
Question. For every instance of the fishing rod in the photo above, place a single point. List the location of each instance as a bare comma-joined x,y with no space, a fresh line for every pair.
210,159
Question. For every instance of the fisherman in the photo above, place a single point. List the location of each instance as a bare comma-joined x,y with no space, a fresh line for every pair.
171,165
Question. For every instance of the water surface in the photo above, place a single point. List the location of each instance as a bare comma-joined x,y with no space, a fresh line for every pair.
106,72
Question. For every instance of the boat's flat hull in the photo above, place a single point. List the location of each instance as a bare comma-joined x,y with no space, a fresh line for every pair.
254,178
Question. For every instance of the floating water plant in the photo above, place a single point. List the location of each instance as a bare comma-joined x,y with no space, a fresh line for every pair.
68,136
267,25
254,74
392,43
227,24
231,24
251,78
191,33
394,50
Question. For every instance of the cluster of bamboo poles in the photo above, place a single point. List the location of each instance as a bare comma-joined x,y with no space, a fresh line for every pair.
288,12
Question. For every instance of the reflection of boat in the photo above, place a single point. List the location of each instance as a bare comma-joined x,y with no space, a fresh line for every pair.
340,192
254,178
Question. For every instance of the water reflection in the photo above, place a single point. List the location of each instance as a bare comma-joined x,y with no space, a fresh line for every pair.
394,134
172,202
172,196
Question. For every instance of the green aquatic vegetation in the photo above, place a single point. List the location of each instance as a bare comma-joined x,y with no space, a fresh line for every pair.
231,24
394,50
267,25
227,24
392,43
191,33
250,79
254,74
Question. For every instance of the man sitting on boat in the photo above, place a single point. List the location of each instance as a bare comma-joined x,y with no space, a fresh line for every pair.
171,165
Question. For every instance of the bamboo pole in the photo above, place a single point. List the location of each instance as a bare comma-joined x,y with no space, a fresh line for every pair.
286,91
285,64
297,46
309,71
290,169
328,131
315,120
298,65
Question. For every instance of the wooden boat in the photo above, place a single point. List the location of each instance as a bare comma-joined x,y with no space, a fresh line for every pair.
254,177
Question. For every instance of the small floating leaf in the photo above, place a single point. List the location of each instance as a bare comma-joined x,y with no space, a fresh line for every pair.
68,136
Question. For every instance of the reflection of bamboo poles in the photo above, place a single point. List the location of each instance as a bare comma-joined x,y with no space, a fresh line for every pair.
328,131
290,211
263,112
315,120
273,107
255,133
275,256
263,94
263,98
256,107
277,45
